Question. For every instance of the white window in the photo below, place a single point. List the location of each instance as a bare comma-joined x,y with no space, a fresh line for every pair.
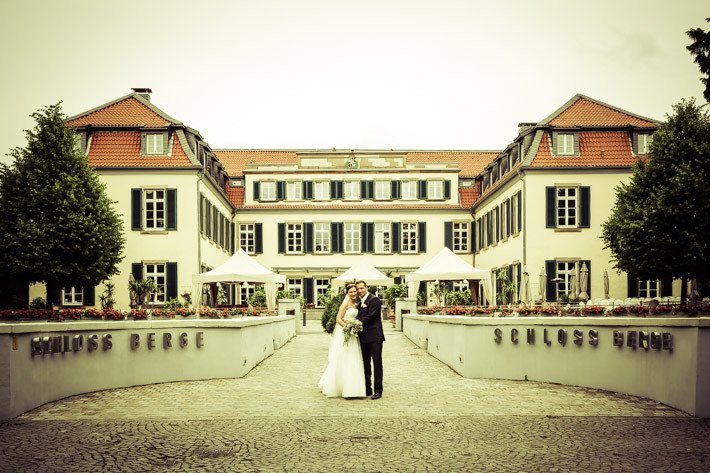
154,143
321,190
460,237
382,190
649,288
295,285
246,291
156,272
247,238
154,209
565,143
293,190
409,190
435,189
72,296
409,237
352,237
644,143
322,237
566,207
383,237
294,238
320,286
268,190
565,270
460,286
352,190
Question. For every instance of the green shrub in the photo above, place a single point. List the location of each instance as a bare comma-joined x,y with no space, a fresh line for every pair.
459,298
330,312
38,303
173,304
258,299
394,292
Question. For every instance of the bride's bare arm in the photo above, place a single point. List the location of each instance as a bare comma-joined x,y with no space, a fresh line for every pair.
341,313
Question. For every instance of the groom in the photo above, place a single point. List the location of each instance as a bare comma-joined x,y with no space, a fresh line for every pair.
371,337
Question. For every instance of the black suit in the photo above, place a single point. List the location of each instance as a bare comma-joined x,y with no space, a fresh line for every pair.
371,338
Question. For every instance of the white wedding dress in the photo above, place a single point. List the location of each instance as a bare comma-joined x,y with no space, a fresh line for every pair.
345,374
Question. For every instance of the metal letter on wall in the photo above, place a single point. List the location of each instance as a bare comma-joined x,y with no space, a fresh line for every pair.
497,335
514,335
656,342
92,342
167,340
183,340
200,342
631,338
667,341
562,337
594,338
106,342
578,337
643,340
151,340
36,346
618,338
531,336
77,342
135,341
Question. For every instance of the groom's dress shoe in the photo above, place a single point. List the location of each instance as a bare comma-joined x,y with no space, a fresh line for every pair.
376,395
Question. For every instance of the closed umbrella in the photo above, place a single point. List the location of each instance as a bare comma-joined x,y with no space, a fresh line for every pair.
694,294
572,286
606,285
583,281
543,284
525,287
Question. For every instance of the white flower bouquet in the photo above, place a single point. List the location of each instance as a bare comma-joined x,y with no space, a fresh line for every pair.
351,329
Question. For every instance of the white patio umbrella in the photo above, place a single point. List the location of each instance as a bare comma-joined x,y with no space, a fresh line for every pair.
583,282
525,287
606,285
543,284
573,286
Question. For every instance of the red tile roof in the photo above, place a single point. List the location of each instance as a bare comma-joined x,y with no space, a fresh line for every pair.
236,196
234,161
471,163
468,196
128,112
600,148
584,112
123,149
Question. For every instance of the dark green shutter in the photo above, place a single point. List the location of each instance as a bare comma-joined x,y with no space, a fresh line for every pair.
334,190
233,238
472,226
396,189
551,206
137,271
202,214
497,229
136,209
551,270
367,237
282,237
422,237
256,190
308,237
508,218
447,189
632,286
208,223
89,295
516,296
171,277
666,287
589,276
336,237
449,235
172,209
258,239
396,239
307,190
421,189
363,189
584,204
520,211
280,190
308,290
338,190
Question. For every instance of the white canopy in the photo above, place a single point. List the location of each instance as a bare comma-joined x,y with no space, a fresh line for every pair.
242,268
448,266
362,271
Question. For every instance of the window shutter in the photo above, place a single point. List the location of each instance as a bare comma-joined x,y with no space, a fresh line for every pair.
367,236
584,204
256,190
363,190
396,241
371,189
233,238
422,238
258,239
422,189
666,287
449,235
208,220
472,226
497,229
336,236
520,211
202,214
334,190
339,189
396,190
215,224
280,190
308,237
632,286
489,228
282,237
551,205
575,150
137,271
171,276
551,270
307,190
589,276
136,209
518,275
508,218
308,290
54,294
89,295
447,189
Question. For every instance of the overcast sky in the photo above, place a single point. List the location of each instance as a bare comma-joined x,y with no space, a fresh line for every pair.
410,74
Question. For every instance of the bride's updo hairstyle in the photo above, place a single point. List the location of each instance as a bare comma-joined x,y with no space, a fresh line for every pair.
348,286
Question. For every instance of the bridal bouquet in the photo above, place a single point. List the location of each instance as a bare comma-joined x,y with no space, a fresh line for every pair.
351,329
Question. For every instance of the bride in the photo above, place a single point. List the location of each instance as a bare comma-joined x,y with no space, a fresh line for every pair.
345,375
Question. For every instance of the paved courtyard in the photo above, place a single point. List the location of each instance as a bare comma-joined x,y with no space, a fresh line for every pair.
428,420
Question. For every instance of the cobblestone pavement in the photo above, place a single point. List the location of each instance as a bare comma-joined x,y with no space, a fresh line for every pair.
428,420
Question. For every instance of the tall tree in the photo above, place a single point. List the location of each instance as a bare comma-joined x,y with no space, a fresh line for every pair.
700,48
56,223
660,224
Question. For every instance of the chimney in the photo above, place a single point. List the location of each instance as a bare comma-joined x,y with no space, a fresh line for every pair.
144,92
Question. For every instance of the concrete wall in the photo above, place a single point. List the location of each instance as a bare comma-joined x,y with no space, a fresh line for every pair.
678,377
230,349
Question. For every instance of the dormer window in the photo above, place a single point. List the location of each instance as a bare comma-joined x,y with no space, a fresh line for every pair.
154,143
644,143
565,143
